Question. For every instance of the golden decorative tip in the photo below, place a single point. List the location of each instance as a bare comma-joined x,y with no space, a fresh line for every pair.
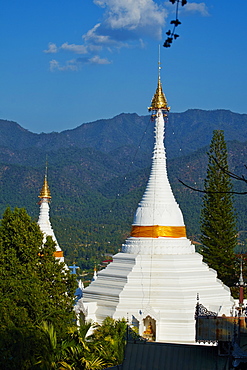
159,100
45,191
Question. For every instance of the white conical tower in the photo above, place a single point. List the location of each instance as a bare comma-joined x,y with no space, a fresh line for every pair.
155,280
158,217
44,218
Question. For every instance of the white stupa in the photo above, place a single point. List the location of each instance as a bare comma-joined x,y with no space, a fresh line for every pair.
44,218
154,282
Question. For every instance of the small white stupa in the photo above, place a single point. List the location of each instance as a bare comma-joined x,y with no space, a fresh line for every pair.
44,218
94,274
156,279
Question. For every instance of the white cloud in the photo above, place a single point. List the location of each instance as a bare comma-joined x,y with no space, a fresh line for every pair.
100,3
97,60
52,48
142,43
190,7
54,64
76,64
196,7
134,15
96,41
92,36
77,49
125,23
71,65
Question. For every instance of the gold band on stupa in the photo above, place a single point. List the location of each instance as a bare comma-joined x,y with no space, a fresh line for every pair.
58,254
156,231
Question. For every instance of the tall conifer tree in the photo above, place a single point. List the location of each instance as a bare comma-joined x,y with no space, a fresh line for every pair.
218,221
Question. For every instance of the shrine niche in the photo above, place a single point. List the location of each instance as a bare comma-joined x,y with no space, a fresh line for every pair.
150,329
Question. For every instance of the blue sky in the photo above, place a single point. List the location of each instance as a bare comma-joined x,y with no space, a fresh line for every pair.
67,62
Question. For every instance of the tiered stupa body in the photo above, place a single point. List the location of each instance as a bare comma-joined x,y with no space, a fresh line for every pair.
156,279
44,218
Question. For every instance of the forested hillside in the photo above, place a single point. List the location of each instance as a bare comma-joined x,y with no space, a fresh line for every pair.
97,174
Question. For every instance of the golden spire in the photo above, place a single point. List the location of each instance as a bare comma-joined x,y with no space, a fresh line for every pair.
159,100
45,191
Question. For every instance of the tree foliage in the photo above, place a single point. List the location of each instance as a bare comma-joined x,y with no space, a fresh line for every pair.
218,223
34,286
78,350
110,338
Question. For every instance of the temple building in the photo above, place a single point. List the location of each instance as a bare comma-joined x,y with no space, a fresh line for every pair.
44,218
157,278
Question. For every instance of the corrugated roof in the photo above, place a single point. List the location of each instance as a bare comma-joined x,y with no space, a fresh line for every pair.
166,356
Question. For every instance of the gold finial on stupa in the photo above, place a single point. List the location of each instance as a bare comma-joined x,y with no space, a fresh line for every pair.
45,191
159,100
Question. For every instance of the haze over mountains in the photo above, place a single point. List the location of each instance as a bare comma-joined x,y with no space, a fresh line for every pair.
97,172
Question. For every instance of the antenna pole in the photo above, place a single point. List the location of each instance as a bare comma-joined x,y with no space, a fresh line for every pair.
159,67
46,165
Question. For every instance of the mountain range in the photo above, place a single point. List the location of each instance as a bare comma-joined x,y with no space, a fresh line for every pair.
97,173
187,131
